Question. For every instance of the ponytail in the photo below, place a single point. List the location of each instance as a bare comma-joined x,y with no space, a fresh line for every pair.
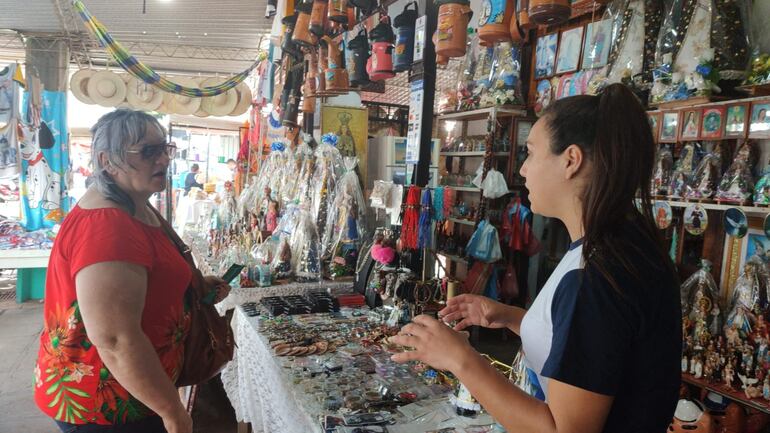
613,132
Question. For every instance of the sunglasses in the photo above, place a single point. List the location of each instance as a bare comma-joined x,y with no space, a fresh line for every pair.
154,151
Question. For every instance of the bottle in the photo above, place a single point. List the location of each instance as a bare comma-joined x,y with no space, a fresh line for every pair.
465,404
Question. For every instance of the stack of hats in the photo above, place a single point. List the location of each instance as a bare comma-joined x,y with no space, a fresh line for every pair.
109,89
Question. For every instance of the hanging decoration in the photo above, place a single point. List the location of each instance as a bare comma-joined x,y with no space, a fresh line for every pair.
411,219
405,27
424,232
146,73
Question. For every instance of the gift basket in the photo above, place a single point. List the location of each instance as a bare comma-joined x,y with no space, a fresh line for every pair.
505,82
661,177
700,306
737,184
305,248
749,300
704,181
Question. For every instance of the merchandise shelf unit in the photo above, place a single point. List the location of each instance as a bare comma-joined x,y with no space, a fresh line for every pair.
509,126
759,404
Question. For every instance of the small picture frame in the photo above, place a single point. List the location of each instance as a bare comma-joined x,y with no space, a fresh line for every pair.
713,123
669,127
736,120
570,45
689,124
596,49
545,55
760,120
655,120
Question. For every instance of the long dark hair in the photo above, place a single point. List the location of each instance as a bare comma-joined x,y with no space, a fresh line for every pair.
614,134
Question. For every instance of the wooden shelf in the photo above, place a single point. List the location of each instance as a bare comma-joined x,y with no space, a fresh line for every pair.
480,153
462,188
738,396
686,103
755,210
483,113
462,221
452,257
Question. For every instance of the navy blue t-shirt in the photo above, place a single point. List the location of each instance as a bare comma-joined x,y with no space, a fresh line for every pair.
623,342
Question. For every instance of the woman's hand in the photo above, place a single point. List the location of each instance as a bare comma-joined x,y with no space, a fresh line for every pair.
178,422
222,288
470,310
434,343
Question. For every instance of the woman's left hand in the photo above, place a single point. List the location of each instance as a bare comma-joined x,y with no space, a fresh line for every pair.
434,343
222,288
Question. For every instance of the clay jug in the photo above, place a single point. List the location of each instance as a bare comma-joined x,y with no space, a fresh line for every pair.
403,54
549,12
318,18
338,11
495,20
451,31
302,35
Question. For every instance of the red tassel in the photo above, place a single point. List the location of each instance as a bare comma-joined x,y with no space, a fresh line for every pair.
411,218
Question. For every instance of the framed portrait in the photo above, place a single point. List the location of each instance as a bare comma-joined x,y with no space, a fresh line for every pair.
545,55
713,122
596,48
568,58
736,120
654,118
350,124
669,127
759,127
690,124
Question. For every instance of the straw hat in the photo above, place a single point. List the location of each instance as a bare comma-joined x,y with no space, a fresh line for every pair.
244,99
106,89
180,104
163,107
201,113
79,85
143,96
222,104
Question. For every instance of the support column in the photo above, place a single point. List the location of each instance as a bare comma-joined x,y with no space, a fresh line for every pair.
427,71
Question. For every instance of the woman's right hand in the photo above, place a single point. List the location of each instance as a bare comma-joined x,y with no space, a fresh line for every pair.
470,310
179,421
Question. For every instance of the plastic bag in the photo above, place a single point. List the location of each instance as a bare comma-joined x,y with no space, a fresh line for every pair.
707,176
465,78
700,305
345,227
380,196
305,247
484,244
627,47
737,184
505,78
482,78
749,298
762,189
494,185
661,177
264,253
281,267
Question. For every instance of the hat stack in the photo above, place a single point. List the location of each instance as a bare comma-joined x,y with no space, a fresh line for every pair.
109,89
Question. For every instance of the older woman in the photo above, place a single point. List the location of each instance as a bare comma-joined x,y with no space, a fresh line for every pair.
115,323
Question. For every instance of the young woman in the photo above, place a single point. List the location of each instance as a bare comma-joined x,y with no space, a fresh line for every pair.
602,340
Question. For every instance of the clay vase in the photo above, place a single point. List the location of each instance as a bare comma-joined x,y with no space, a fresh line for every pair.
287,44
358,55
338,11
451,31
496,21
318,18
335,74
302,35
549,12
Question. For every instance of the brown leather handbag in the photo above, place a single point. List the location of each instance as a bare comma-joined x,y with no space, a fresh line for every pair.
209,345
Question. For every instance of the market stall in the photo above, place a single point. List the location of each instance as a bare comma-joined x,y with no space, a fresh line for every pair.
315,391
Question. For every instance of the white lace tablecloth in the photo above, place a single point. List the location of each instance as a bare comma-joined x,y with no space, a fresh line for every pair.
239,295
262,394
256,386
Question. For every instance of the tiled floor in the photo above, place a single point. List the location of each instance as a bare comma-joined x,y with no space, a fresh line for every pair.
20,326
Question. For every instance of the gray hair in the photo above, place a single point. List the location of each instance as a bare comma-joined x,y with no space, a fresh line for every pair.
112,134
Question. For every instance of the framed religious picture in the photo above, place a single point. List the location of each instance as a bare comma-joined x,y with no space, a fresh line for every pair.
712,125
759,127
689,124
654,118
596,48
669,127
545,55
736,120
568,58
350,125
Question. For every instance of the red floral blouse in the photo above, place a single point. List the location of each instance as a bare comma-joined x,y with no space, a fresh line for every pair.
72,384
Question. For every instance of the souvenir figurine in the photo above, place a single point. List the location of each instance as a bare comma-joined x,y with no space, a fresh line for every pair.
729,375
766,388
685,363
271,219
661,178
707,176
737,184
698,370
747,360
751,287
749,389
678,184
762,189
282,262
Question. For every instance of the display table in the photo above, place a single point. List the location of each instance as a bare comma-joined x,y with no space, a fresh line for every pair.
31,265
260,388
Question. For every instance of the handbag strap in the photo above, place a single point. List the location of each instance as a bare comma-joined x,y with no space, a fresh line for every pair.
184,250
